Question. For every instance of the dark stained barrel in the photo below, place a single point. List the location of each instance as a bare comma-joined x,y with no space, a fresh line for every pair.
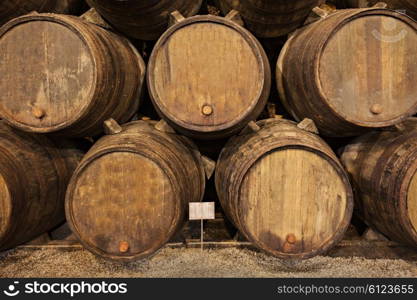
10,9
284,189
351,71
34,172
271,18
130,194
354,3
407,6
143,19
383,168
208,77
66,76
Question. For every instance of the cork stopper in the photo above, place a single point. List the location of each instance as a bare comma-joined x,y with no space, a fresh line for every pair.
123,247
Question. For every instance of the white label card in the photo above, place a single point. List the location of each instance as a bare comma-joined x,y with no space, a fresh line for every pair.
202,211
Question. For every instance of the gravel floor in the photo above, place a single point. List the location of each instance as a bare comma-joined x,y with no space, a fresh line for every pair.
230,262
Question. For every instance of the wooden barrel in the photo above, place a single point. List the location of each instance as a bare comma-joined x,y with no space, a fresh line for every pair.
383,169
407,6
10,9
351,71
143,19
208,77
284,189
130,194
353,3
63,75
34,172
271,18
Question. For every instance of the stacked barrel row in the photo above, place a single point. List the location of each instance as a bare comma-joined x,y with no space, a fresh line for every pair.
340,74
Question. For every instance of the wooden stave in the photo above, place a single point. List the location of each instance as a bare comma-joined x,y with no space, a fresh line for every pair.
154,16
223,131
142,138
381,166
261,18
242,151
102,45
42,168
329,122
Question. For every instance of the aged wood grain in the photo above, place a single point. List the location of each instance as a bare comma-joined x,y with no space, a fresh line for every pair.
383,169
10,9
130,194
270,18
143,19
34,172
351,71
208,77
285,190
66,76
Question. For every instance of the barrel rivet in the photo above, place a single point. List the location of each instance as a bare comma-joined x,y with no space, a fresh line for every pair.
207,110
376,109
38,112
123,247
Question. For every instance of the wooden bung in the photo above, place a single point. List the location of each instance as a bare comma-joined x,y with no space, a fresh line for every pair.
10,9
66,76
34,172
143,19
284,189
208,76
383,168
351,71
129,196
270,18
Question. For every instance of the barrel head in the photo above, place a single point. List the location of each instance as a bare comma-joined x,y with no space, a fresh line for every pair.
47,75
207,75
294,203
121,206
368,68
